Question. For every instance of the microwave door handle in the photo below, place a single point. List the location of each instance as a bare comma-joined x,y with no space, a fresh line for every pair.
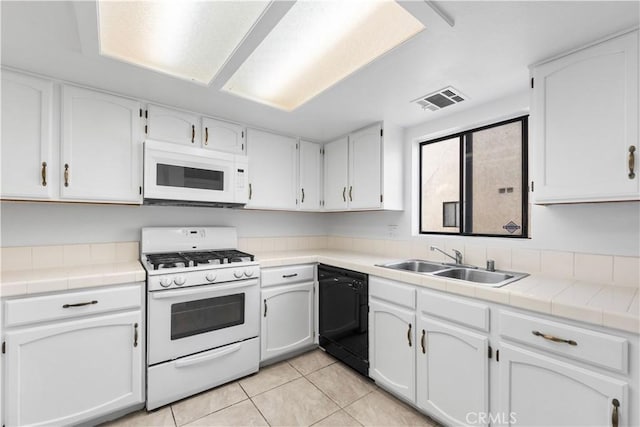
177,293
194,360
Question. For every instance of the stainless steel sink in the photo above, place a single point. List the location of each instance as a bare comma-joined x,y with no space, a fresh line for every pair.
474,275
471,274
415,265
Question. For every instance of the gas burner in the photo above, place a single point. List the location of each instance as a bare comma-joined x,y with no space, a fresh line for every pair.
192,259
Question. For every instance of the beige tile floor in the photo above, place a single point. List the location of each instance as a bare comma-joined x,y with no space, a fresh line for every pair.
311,389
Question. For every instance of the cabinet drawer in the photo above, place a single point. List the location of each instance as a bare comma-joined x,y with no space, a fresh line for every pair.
468,313
289,274
23,311
395,292
607,351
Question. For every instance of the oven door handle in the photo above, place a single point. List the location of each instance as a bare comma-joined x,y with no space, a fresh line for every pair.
177,293
194,360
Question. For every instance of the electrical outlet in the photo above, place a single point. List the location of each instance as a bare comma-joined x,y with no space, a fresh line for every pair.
392,230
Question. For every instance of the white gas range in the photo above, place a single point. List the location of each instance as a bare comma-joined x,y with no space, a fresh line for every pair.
203,311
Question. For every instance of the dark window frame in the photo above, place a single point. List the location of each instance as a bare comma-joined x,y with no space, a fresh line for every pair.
466,177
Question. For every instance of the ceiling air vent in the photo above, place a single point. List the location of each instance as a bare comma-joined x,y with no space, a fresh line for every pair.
440,99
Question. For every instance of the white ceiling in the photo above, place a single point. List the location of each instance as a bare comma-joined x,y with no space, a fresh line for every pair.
485,55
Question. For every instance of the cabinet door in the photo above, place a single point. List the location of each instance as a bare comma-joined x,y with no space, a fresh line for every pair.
222,136
273,180
101,147
336,177
452,372
539,390
288,319
585,122
392,356
164,124
27,170
71,372
365,169
310,160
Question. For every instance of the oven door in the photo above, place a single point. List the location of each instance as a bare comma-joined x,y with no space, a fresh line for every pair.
198,318
176,173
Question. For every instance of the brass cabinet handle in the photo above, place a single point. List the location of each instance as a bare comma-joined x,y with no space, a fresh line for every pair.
424,350
614,413
409,335
552,338
193,133
66,174
250,191
344,194
135,335
265,308
44,174
206,136
80,304
632,161
302,201
351,193
288,276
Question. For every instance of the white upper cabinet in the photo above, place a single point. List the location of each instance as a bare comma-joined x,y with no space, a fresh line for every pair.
585,124
273,171
364,170
101,147
27,165
222,136
181,127
310,167
336,174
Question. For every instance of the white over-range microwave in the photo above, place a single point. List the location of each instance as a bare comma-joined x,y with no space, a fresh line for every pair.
182,175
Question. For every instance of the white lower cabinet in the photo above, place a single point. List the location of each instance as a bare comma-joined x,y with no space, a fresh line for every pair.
69,372
288,319
72,357
452,372
392,357
538,390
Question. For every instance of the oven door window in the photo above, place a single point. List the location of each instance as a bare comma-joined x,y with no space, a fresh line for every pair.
186,177
206,315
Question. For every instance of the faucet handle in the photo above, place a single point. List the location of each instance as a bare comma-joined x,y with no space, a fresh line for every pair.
491,265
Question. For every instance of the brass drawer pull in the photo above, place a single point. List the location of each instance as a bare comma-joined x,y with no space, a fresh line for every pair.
409,335
351,193
302,196
552,338
250,191
193,133
206,136
135,335
632,161
287,276
614,412
66,174
344,194
265,308
44,174
424,350
80,304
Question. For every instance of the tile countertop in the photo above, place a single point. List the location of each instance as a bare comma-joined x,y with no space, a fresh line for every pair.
600,304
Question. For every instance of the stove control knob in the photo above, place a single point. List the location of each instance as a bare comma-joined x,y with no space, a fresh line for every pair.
237,274
165,282
248,272
210,277
180,280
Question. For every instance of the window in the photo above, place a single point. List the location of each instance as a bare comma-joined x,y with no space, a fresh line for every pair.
475,182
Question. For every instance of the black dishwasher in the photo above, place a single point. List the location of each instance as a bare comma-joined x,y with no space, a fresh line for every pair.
343,300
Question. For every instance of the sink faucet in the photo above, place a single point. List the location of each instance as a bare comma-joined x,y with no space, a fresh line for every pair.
457,258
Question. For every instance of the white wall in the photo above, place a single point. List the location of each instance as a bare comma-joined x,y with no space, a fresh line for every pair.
603,228
31,224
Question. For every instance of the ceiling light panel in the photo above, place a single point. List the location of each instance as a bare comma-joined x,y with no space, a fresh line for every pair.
315,45
184,38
